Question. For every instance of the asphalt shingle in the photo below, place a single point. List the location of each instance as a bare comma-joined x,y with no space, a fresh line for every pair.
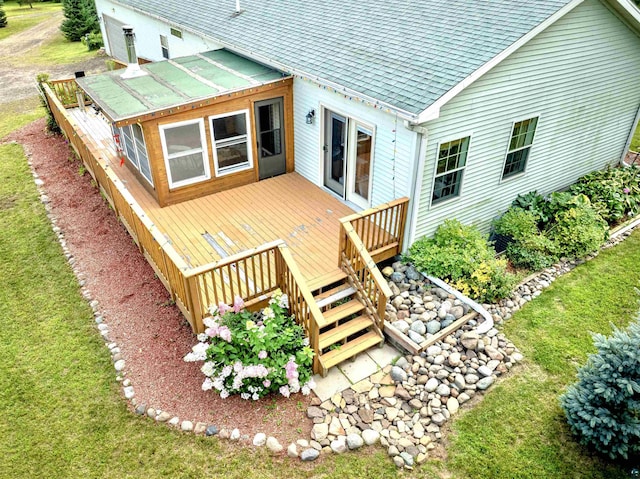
366,46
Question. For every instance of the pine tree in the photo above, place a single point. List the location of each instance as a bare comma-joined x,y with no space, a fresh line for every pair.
3,15
603,407
80,19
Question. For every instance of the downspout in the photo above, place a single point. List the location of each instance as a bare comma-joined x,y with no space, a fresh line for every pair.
627,145
416,186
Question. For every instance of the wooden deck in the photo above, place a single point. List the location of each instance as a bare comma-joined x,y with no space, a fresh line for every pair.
208,229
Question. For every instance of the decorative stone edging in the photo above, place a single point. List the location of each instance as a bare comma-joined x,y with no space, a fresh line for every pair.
401,407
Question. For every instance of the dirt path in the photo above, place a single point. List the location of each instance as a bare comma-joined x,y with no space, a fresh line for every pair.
18,82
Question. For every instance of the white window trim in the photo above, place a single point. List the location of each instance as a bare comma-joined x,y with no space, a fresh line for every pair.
136,165
203,144
144,143
448,199
506,154
235,168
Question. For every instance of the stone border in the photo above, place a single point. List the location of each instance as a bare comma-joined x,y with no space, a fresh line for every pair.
332,432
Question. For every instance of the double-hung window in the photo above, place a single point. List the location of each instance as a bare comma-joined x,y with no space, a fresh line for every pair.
164,46
452,159
135,149
519,147
184,147
231,142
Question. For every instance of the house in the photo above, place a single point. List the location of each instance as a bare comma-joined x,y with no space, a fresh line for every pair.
457,105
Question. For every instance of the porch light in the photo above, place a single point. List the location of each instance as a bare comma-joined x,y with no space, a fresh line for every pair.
310,116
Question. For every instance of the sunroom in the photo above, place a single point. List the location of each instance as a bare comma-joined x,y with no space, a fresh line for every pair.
197,125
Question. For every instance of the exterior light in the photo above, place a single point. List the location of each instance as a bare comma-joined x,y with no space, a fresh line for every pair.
310,116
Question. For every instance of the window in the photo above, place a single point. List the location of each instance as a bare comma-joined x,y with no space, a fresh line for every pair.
184,147
164,45
230,140
519,147
452,158
176,33
135,149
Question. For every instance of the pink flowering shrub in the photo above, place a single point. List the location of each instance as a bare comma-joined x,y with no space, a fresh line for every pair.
254,358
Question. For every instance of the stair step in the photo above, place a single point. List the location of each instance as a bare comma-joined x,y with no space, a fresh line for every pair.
334,335
350,349
326,279
340,312
335,294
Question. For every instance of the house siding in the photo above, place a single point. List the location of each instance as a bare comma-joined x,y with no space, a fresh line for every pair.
148,31
394,147
579,76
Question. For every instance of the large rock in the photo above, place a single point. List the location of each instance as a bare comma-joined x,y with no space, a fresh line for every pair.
432,385
454,359
453,405
418,327
401,325
438,419
415,337
484,383
273,445
320,432
370,436
443,390
314,412
309,455
457,312
339,445
260,439
433,326
354,441
470,339
398,374
292,450
412,274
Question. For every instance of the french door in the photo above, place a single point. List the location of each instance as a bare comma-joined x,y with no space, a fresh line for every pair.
348,158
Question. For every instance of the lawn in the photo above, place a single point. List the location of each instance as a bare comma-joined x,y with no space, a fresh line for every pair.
519,429
635,141
22,17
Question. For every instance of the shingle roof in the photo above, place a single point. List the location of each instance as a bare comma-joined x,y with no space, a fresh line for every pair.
405,53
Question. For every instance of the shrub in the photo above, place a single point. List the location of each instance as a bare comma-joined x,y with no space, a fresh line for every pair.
533,202
529,248
603,407
3,15
52,126
578,231
462,256
242,356
614,192
93,41
80,18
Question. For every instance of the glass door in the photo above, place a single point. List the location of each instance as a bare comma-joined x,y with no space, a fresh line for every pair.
270,135
359,165
335,150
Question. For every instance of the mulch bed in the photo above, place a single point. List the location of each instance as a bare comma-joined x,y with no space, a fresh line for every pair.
152,334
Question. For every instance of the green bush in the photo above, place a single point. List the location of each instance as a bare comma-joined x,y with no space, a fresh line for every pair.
603,407
93,41
614,192
529,248
578,231
3,15
52,126
463,257
535,203
254,357
80,18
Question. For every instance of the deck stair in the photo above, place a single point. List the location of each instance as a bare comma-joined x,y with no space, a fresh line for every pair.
347,328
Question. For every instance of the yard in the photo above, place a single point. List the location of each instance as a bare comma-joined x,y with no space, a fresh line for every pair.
62,415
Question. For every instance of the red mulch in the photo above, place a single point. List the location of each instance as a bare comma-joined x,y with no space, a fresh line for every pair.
152,334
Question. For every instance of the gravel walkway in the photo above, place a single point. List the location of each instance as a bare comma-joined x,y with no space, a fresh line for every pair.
152,335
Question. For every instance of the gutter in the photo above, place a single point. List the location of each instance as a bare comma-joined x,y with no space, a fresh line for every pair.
417,178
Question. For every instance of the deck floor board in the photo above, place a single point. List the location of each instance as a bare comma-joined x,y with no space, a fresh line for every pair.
286,207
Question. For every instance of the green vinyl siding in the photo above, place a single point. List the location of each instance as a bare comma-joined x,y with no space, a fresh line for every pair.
579,78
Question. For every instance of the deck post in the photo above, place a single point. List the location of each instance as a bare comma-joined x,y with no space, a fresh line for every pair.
193,293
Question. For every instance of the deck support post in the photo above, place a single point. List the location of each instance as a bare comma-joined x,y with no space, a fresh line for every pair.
195,307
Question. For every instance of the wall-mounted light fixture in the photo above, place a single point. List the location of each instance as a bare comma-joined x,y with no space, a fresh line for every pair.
310,117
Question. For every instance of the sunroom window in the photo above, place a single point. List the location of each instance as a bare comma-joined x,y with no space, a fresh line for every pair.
519,147
230,140
452,159
184,147
135,149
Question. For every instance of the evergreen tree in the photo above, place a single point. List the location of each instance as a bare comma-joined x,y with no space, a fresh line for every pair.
603,407
3,15
80,19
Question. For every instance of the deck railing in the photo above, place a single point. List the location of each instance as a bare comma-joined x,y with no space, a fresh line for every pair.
255,274
67,91
379,230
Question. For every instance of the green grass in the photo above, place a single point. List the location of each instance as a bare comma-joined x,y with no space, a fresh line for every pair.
519,430
61,414
21,18
635,141
19,113
57,51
